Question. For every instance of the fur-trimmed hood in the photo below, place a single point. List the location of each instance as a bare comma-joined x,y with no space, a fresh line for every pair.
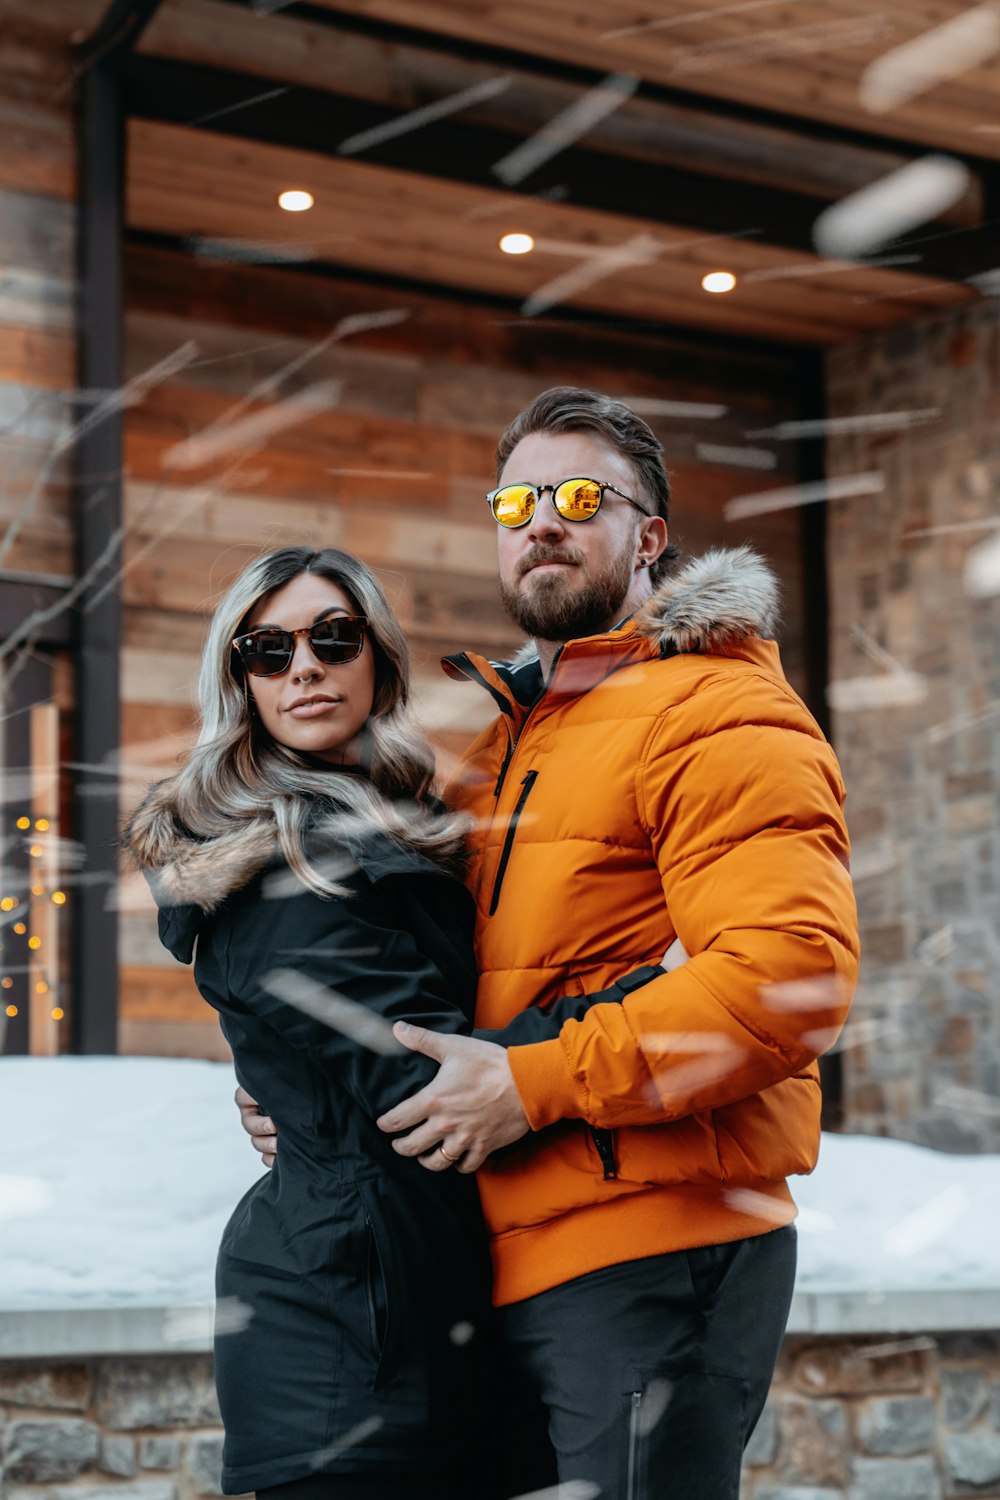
716,598
200,873
183,870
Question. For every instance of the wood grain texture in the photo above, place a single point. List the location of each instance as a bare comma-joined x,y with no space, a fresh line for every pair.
405,75
804,61
182,182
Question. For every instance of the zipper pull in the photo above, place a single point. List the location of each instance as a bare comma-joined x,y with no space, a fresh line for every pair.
604,1141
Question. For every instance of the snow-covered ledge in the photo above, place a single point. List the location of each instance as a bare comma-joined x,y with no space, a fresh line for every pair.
127,1169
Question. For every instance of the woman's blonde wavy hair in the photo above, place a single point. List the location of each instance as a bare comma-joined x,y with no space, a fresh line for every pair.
237,778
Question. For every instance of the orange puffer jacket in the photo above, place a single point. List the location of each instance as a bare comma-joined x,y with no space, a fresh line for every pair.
666,785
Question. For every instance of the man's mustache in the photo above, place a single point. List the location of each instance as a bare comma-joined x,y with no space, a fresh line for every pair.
546,554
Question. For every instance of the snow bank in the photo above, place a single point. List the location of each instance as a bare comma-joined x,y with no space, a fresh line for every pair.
119,1174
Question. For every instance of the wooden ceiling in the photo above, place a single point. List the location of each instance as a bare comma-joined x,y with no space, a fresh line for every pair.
802,58
747,122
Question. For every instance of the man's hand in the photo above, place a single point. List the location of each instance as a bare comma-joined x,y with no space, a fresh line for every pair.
471,1108
258,1127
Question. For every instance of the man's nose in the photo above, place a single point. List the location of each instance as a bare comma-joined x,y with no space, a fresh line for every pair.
546,520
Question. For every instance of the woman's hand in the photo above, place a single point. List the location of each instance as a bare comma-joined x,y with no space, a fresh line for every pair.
470,1109
260,1129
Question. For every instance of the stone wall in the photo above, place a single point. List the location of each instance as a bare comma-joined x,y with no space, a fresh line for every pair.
874,1419
137,1428
848,1419
915,669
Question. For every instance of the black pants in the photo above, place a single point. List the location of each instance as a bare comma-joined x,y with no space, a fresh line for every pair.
446,1486
652,1373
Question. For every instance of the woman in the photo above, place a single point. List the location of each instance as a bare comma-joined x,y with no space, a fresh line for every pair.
298,853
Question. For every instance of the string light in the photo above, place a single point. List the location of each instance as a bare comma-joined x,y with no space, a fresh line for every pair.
58,898
12,1010
34,942
8,903
24,823
7,984
42,824
19,928
41,988
36,890
57,1013
35,851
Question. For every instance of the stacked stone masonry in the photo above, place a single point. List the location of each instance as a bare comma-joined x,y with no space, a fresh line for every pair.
914,577
129,1428
848,1419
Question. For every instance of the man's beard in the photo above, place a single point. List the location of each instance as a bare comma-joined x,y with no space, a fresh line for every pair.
555,607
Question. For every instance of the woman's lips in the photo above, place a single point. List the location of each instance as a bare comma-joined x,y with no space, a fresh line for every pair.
313,708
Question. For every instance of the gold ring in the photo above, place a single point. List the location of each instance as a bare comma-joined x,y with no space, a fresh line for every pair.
445,1154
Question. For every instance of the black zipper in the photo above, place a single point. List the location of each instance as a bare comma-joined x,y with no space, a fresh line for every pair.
512,743
605,1142
503,767
373,1273
632,1474
515,818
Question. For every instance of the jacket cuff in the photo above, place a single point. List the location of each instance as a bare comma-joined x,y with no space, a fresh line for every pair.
543,1079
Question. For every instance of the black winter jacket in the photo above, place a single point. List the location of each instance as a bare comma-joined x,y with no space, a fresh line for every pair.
360,1279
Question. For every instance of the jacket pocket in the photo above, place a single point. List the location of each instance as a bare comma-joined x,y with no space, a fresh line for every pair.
376,1294
383,1294
508,842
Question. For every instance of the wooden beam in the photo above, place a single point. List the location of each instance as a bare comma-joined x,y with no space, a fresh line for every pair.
338,54
393,221
775,67
662,192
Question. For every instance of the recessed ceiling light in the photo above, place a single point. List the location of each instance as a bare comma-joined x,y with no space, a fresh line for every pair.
517,244
295,200
718,281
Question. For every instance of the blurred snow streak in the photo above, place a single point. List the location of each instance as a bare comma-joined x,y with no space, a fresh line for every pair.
900,689
944,52
573,1489
194,1325
692,15
606,261
336,1011
568,126
876,421
982,568
926,1224
345,1442
425,115
654,406
784,41
840,487
868,219
253,431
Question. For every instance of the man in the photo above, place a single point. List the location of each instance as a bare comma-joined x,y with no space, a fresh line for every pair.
651,784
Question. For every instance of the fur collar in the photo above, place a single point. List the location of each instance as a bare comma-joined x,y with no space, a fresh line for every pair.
183,870
715,599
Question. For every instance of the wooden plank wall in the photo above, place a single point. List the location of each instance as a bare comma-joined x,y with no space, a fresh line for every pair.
395,471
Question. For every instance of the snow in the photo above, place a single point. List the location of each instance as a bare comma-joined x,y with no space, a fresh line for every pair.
121,1172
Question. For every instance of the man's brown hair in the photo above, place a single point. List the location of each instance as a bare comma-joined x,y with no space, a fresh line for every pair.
569,408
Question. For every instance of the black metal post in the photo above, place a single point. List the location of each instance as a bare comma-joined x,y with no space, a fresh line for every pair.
98,517
816,633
